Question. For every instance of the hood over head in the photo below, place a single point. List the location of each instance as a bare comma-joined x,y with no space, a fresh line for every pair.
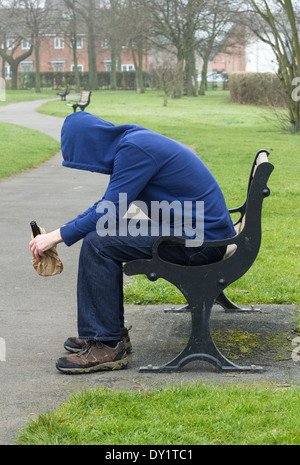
90,143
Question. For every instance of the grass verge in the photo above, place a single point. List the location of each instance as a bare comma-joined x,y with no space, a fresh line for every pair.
197,414
15,96
22,148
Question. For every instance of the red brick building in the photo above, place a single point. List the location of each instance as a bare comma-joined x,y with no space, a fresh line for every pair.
231,62
56,54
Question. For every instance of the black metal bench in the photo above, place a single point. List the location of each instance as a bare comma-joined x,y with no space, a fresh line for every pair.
64,94
84,101
203,285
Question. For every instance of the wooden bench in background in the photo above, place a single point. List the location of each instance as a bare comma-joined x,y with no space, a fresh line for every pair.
84,101
64,94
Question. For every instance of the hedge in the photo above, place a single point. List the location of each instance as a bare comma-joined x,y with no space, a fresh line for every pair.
126,80
256,89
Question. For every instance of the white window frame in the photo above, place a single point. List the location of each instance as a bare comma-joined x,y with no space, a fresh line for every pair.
80,68
104,43
59,43
10,44
7,72
28,63
58,63
128,67
25,44
79,42
107,64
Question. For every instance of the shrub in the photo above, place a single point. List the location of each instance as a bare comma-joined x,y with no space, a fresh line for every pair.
257,89
126,80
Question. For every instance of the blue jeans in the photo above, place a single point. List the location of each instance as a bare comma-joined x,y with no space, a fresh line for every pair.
100,278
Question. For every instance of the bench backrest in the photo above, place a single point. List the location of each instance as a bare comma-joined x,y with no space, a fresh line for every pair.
251,209
261,157
85,96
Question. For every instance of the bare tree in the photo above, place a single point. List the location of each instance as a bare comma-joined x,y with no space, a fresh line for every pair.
38,18
174,26
136,23
69,26
219,31
277,24
164,77
13,31
112,30
89,11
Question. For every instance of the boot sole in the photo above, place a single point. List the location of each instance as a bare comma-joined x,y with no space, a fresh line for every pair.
108,366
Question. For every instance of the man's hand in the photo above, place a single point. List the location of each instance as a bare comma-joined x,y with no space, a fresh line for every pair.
44,242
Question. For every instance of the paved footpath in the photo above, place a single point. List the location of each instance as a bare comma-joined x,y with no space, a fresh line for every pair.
37,314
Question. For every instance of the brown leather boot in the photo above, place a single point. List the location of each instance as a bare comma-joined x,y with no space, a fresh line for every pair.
95,356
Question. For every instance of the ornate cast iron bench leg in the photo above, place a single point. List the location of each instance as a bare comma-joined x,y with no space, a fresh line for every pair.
231,307
201,347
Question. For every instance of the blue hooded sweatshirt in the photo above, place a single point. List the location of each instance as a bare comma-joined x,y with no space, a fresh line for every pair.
145,166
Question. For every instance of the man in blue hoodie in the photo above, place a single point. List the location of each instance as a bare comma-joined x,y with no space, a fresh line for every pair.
148,169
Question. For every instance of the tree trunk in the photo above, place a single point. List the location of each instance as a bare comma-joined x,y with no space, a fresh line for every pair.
74,50
190,88
139,75
178,80
113,72
92,47
76,72
37,65
138,64
203,83
14,74
3,68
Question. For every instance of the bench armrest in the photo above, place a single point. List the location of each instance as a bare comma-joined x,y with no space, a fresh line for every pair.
240,209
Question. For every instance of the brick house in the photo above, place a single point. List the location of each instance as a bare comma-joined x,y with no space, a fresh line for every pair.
56,55
231,62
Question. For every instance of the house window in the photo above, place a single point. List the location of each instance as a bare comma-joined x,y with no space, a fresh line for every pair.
26,66
107,64
79,67
25,44
10,44
79,42
104,43
7,72
58,65
59,43
128,67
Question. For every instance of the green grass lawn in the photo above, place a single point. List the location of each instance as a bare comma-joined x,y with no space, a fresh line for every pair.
226,136
15,96
22,148
196,414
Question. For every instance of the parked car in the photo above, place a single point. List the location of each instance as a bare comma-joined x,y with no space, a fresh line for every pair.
213,77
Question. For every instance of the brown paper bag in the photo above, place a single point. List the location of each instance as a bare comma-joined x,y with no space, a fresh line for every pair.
49,265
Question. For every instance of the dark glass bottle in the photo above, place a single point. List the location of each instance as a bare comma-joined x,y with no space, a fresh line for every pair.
35,229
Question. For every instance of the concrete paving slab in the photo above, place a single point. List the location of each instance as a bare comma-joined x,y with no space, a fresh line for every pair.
37,314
